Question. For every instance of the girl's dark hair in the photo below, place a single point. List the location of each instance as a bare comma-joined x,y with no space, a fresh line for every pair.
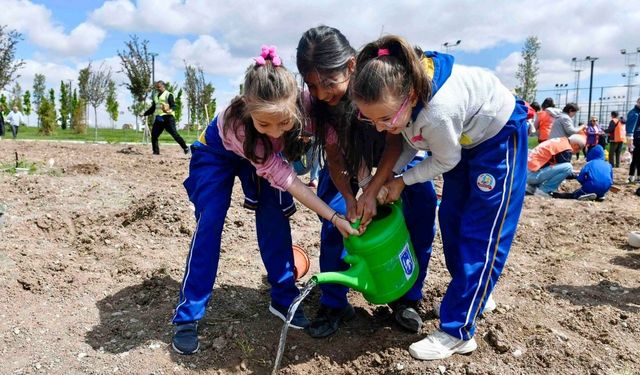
548,102
326,51
614,113
535,106
570,107
397,73
271,89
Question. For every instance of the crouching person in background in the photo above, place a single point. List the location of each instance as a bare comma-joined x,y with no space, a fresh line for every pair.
596,177
550,163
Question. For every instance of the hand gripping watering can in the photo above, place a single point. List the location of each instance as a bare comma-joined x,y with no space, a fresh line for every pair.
383,262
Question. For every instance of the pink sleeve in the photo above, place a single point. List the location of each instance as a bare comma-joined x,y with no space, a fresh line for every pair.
275,169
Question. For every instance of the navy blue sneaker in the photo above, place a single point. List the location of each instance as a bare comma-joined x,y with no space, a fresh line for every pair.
185,339
328,320
299,320
406,314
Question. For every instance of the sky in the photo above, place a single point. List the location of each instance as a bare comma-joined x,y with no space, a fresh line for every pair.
60,37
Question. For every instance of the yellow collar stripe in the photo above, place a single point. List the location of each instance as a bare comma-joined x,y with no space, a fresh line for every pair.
429,66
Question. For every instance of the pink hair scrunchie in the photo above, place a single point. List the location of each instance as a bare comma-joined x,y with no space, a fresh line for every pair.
383,52
268,53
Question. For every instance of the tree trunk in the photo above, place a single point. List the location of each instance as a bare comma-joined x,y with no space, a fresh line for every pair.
95,116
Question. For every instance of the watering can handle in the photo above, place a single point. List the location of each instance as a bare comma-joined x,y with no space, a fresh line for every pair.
356,224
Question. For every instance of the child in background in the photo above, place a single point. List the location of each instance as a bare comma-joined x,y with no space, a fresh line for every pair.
326,62
549,164
477,134
595,178
246,140
544,119
616,132
593,132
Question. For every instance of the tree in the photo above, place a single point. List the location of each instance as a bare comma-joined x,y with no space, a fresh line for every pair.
97,91
112,103
3,104
39,85
16,96
135,61
52,101
65,105
26,105
78,121
528,69
8,64
83,88
47,117
199,95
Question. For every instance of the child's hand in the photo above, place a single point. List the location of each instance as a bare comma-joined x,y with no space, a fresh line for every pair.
344,226
394,189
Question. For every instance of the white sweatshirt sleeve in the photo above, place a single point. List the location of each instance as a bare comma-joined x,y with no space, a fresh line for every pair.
443,142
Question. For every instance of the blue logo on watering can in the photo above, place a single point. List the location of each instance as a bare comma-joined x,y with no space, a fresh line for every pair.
407,261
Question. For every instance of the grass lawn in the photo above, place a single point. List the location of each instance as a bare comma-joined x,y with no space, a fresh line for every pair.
120,135
104,135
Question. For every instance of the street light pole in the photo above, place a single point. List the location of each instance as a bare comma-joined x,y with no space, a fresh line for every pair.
592,60
448,45
631,59
559,87
577,68
153,67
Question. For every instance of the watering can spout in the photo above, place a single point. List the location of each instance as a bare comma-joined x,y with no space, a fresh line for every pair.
356,277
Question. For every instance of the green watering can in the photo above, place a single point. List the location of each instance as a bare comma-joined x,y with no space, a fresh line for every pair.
383,263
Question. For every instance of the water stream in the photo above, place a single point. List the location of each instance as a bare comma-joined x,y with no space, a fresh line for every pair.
292,310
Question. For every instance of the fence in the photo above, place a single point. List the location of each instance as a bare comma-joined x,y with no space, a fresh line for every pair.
604,99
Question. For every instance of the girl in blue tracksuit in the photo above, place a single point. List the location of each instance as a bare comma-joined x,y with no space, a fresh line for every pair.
247,141
476,132
326,61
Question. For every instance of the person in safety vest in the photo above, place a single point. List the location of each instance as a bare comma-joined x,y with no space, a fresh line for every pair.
617,136
163,108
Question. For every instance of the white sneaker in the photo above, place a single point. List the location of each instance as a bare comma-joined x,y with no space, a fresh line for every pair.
587,197
488,307
440,345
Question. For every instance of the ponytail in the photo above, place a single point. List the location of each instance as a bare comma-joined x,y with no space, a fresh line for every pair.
389,65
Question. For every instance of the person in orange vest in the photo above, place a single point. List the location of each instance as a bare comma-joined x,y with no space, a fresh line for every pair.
545,118
617,136
549,164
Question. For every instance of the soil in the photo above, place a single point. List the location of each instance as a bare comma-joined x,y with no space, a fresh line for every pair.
93,246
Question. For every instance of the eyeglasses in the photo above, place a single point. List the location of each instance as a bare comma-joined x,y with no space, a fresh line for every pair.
329,83
388,124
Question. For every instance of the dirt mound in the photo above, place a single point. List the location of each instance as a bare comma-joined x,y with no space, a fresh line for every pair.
86,168
91,263
130,150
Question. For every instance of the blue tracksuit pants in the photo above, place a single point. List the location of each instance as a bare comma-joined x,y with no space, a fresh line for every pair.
481,203
419,203
211,176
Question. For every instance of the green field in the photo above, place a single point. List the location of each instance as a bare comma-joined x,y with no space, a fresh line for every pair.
120,136
104,135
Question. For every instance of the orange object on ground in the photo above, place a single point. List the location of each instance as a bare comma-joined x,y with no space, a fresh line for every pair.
301,262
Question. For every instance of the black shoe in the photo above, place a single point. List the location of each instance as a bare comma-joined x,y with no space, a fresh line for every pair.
328,321
406,314
187,151
299,320
185,339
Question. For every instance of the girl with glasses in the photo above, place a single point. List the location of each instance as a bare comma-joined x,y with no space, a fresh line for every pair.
476,132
